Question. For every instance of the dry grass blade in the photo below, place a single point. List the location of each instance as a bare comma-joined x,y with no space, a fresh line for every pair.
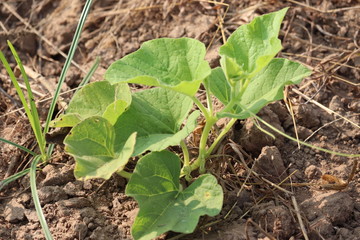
259,228
322,11
301,223
237,151
324,108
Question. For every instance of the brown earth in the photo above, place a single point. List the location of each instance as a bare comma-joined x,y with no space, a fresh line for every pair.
324,35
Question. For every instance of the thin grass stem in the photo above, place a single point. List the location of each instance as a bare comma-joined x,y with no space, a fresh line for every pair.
18,146
36,200
294,139
17,88
73,46
34,113
13,177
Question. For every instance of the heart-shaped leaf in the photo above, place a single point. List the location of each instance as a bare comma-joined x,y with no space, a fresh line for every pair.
252,46
177,64
91,143
96,99
164,206
156,115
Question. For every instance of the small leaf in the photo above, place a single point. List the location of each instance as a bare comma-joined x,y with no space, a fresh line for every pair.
267,86
218,85
70,119
252,46
164,206
156,115
114,110
94,100
177,64
91,143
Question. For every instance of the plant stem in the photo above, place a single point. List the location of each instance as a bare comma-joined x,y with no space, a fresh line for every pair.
236,93
223,132
200,161
185,152
202,108
208,99
124,174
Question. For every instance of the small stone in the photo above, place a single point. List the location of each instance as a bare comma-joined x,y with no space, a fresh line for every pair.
323,226
31,215
336,207
91,226
356,233
357,206
88,212
336,104
312,172
49,194
303,132
81,229
78,202
57,176
87,185
73,189
270,164
24,198
344,233
14,211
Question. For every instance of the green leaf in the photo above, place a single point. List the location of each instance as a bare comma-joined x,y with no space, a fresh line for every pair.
267,86
156,115
114,110
252,46
91,143
218,85
66,120
164,206
96,99
177,64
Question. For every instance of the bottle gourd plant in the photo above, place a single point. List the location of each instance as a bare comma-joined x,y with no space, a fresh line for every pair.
110,124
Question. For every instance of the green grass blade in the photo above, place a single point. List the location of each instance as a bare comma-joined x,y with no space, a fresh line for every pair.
36,200
37,125
50,150
73,46
18,146
12,178
89,74
17,88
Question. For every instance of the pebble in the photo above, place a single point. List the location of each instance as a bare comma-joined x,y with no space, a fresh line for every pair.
14,211
312,172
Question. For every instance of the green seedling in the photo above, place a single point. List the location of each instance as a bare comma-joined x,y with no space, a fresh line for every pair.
110,124
32,114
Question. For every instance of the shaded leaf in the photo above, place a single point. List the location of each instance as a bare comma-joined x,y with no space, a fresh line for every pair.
156,115
91,143
218,85
164,206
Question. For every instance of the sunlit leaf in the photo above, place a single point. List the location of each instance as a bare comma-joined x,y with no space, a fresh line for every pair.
164,205
177,64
